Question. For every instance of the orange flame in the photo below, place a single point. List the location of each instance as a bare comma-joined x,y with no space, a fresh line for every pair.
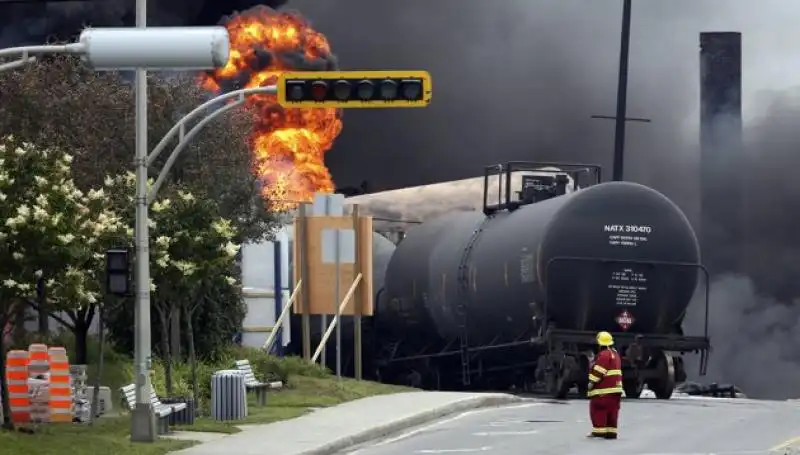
288,145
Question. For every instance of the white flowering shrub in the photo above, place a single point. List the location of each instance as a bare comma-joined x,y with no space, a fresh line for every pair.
192,257
189,242
49,228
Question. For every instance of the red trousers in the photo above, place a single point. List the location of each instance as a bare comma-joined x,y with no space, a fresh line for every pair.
604,411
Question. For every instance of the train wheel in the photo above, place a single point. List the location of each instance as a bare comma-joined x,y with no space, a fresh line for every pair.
664,384
563,377
558,386
435,378
633,387
414,379
555,382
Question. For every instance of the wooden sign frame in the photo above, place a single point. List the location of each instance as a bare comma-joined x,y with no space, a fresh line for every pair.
321,279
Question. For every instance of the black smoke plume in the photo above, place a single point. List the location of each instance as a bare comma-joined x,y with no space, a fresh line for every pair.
22,23
519,79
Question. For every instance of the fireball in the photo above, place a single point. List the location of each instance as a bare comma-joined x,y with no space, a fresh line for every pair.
288,145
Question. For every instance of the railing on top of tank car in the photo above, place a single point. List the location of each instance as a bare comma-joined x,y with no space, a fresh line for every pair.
701,267
503,201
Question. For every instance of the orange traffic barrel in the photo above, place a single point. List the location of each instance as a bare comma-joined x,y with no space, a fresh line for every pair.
38,362
17,381
60,386
57,350
59,363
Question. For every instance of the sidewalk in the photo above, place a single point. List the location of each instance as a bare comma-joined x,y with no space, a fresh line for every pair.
329,430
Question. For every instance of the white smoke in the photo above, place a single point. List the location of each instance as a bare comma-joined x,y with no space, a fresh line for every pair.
755,339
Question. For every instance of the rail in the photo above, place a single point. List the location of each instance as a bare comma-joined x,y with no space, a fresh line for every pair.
504,202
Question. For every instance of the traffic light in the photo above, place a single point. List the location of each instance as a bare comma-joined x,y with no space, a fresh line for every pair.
355,89
118,272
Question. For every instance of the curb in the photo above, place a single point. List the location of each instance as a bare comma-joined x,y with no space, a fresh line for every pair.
390,428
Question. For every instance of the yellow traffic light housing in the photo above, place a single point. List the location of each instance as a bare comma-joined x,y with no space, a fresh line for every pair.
354,89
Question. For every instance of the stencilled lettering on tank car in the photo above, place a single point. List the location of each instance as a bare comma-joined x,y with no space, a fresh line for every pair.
627,235
527,272
627,285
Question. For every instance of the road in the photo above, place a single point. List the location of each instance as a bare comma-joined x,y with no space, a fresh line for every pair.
690,426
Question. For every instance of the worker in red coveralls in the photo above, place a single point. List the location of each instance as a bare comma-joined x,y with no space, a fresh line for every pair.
605,389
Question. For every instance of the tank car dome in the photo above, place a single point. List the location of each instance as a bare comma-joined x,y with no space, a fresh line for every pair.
550,170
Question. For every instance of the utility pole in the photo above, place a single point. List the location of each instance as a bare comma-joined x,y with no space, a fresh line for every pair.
622,95
622,91
143,427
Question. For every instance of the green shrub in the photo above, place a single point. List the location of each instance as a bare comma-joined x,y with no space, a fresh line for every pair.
118,369
65,338
271,368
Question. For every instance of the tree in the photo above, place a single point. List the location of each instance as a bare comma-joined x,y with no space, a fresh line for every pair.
60,103
192,249
78,291
47,230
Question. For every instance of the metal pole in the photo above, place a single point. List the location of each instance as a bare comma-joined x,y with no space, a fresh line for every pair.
278,293
338,251
358,302
95,404
302,247
622,92
142,420
323,320
323,326
156,152
183,141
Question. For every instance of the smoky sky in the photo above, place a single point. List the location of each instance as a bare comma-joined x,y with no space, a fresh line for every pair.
519,79
36,22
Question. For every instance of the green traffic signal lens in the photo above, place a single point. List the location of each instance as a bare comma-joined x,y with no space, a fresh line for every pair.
365,90
342,90
411,90
296,91
388,89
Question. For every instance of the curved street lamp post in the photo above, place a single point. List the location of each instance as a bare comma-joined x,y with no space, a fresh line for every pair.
142,49
185,138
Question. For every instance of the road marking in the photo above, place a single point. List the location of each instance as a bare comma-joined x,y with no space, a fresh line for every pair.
741,452
477,449
501,424
515,406
504,433
438,423
786,443
419,430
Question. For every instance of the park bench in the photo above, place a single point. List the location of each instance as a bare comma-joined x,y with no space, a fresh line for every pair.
250,381
162,411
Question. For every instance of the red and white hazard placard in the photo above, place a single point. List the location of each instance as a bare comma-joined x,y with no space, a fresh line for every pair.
625,320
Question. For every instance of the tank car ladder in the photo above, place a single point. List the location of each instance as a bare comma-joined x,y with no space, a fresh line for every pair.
463,282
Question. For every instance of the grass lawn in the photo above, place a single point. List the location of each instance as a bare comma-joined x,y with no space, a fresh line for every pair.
111,435
303,393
